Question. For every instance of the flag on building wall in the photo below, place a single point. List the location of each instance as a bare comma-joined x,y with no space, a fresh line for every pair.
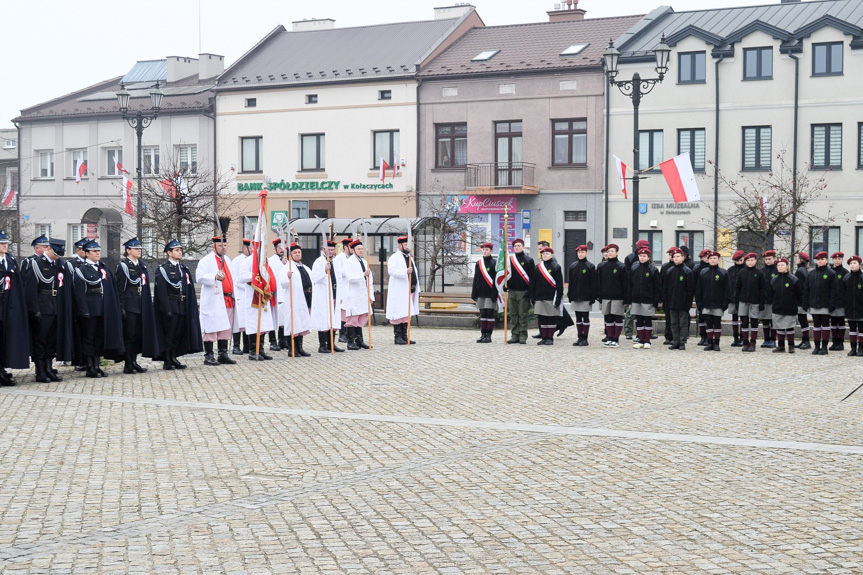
384,167
681,179
621,173
80,170
8,194
121,169
127,196
763,201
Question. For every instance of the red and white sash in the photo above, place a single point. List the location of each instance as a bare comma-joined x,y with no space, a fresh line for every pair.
516,265
485,275
546,275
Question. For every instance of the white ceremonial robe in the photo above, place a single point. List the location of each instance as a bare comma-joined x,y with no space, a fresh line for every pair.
211,309
302,321
321,297
240,294
268,313
281,295
398,287
341,282
359,293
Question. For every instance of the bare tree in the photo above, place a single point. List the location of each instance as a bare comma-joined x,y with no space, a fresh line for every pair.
774,204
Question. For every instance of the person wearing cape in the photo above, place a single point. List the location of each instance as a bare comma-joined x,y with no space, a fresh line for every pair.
14,329
136,305
71,265
177,323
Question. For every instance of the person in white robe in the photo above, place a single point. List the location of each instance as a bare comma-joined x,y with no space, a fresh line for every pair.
342,285
240,296
277,262
296,281
268,313
325,310
403,281
216,309
358,298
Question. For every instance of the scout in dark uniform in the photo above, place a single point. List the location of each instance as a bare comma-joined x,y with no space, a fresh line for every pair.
821,295
484,292
749,292
49,296
770,272
521,268
703,255
662,271
837,316
583,286
802,317
785,296
546,294
737,258
644,295
136,304
612,289
628,262
853,281
712,296
177,323
14,329
98,311
678,288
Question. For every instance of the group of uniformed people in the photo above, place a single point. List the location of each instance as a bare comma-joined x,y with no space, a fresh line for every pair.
770,294
79,311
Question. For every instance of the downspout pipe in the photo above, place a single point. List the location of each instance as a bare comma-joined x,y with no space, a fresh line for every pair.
716,158
607,152
418,150
18,199
794,153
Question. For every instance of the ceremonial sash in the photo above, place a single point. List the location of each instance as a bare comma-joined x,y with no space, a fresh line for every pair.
519,268
547,275
485,275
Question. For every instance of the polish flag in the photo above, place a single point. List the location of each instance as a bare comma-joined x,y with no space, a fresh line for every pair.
127,196
80,170
621,173
8,194
384,167
681,180
121,169
763,200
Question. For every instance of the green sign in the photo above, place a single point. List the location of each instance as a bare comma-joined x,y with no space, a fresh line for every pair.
310,186
278,217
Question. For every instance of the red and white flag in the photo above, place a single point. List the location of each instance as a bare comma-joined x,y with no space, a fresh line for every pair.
263,280
681,179
121,169
384,167
763,200
621,173
80,170
127,196
8,194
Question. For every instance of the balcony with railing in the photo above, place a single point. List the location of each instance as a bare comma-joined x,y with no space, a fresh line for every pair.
501,178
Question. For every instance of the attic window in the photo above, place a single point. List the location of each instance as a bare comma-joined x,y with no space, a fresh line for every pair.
485,56
574,50
251,102
311,98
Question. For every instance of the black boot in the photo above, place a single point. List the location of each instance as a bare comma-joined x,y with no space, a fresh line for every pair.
481,337
344,334
405,334
323,342
245,343
804,344
237,350
853,351
50,371
168,365
175,362
224,358
135,365
91,369
41,376
299,346
397,334
6,379
127,366
360,342
208,354
274,344
352,338
737,342
780,348
97,365
703,341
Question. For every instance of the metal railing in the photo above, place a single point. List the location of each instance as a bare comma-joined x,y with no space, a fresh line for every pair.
499,175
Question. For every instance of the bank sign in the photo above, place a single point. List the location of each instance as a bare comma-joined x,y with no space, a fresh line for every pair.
310,186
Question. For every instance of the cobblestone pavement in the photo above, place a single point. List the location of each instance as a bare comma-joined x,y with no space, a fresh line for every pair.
447,457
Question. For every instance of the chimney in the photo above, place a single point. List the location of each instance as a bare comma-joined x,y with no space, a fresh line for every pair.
566,12
450,12
314,24
180,67
210,66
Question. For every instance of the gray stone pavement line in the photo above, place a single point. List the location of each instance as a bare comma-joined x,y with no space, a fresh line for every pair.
25,552
467,423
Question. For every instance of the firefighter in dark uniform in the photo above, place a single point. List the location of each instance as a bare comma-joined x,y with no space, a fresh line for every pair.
853,281
521,271
133,290
583,286
802,317
71,265
821,296
40,245
711,297
737,258
643,295
98,311
14,328
484,292
49,303
785,295
546,294
837,316
176,307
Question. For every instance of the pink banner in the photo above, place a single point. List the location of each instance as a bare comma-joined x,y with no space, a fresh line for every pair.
488,204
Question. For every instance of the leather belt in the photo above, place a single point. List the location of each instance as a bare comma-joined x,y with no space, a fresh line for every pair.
53,292
180,297
93,291
228,294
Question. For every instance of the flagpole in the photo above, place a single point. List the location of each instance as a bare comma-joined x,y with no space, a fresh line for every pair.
410,280
330,291
261,300
505,274
368,283
291,290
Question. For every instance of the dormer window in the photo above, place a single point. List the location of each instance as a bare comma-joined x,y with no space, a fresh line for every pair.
574,50
485,56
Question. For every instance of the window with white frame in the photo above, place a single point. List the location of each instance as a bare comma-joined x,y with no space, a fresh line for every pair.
77,232
43,230
250,223
150,166
74,156
9,144
823,239
45,168
113,156
650,149
386,147
299,209
188,159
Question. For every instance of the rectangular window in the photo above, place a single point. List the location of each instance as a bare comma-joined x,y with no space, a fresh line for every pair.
188,159
823,239
650,149
386,147
655,239
76,232
43,230
74,156
311,98
575,216
826,146
8,144
757,147
148,240
858,237
859,147
691,141
385,94
692,240
313,152
250,224
46,165
508,153
692,68
251,102
251,150
758,63
113,156
827,59
569,142
450,145
299,209
151,161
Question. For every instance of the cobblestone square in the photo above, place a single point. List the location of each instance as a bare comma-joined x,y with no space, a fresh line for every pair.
445,457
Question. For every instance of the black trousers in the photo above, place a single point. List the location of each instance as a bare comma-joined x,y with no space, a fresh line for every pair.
44,338
92,335
132,332
175,331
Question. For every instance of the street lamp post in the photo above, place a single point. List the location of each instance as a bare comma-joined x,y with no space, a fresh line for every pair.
139,120
635,89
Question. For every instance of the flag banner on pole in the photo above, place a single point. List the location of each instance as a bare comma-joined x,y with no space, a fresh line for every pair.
763,201
80,170
621,173
384,167
681,179
502,275
127,196
263,280
121,169
8,194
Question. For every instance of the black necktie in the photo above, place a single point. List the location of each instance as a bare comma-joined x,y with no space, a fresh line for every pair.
362,265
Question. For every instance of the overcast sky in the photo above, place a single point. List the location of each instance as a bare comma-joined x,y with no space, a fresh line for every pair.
86,42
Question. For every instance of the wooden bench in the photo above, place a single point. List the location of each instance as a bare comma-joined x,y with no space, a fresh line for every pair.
446,304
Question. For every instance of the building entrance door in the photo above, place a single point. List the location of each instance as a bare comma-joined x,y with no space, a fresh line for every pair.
571,240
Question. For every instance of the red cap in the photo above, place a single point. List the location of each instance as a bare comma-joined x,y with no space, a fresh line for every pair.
581,248
643,251
277,241
704,253
296,246
604,249
857,259
675,250
769,253
821,255
346,240
752,255
642,243
838,255
487,245
803,256
217,239
612,247
737,255
783,260
247,242
331,243
518,241
356,243
544,250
